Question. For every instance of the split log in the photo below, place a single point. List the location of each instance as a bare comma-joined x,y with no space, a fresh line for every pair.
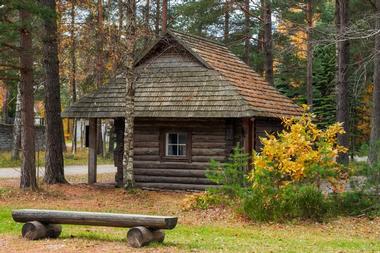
34,230
141,236
94,219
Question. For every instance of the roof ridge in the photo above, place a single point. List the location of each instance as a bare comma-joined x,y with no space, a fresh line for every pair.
199,37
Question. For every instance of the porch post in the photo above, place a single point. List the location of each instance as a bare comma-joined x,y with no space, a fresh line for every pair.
248,140
92,150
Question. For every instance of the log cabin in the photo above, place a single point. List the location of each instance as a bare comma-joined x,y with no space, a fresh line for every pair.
194,101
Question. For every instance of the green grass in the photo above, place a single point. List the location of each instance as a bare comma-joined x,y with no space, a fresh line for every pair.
187,238
80,158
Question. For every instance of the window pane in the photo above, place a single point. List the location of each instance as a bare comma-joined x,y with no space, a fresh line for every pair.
172,138
182,150
172,150
182,138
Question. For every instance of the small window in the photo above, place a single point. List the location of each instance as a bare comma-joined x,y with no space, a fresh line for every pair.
176,144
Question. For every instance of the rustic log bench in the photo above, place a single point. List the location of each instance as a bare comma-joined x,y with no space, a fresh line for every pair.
144,229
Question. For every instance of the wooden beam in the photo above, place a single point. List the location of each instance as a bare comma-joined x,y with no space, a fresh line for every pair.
247,130
92,150
94,219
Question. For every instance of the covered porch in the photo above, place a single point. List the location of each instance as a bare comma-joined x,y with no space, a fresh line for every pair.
106,103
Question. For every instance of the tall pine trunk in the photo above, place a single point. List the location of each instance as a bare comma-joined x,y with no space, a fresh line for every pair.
73,74
226,29
373,156
100,69
158,18
54,171
128,177
16,145
309,52
268,43
147,15
164,15
5,106
343,46
247,32
28,167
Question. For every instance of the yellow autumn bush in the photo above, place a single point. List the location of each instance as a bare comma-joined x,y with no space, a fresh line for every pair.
301,152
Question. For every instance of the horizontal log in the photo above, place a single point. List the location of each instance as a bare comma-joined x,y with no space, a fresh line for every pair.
146,144
169,165
94,219
208,151
147,137
138,157
171,186
181,180
205,138
208,145
146,151
208,158
174,172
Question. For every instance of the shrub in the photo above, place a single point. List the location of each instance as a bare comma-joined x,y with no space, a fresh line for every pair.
289,202
300,153
356,203
231,175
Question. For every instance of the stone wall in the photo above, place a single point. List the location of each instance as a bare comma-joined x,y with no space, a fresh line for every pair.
6,137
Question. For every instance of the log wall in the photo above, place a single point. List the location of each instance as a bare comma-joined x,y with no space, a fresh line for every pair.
210,139
263,125
152,170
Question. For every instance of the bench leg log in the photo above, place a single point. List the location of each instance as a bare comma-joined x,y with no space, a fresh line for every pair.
35,230
141,236
53,230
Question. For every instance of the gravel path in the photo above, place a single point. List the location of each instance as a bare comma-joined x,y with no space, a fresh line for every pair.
69,170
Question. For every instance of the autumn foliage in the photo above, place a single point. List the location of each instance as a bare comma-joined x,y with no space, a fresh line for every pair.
301,152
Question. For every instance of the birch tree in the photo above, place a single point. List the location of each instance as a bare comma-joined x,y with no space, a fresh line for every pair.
128,178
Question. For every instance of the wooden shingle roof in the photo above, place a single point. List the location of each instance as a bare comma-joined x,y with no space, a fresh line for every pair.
187,76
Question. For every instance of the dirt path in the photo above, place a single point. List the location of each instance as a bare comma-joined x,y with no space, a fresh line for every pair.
69,170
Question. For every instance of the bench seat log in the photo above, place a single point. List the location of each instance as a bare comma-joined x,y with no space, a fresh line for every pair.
94,219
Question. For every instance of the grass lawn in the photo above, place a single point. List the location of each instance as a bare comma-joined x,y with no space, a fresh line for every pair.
218,229
80,158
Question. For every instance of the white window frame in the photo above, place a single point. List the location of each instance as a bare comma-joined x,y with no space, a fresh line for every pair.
177,144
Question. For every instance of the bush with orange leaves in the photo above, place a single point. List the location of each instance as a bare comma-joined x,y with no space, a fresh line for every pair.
301,153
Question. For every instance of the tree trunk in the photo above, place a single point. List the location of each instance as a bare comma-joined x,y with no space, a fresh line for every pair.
54,171
309,50
147,15
28,167
268,43
342,113
226,30
128,178
164,15
100,68
111,143
121,15
119,126
73,74
157,25
373,156
247,32
16,146
5,106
